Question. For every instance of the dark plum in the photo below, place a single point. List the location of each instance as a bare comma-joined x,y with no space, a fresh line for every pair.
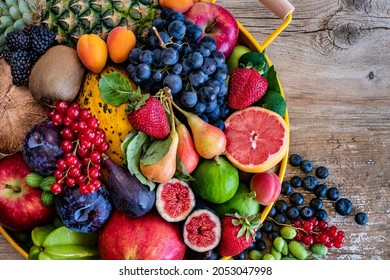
83,212
41,147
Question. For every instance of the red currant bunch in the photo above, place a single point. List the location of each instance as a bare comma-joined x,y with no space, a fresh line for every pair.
83,143
313,231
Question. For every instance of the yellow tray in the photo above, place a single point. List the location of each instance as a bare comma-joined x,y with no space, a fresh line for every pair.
281,8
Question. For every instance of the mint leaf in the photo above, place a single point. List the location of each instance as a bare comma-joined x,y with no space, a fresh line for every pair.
114,89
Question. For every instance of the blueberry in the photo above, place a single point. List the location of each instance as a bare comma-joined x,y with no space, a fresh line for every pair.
295,160
296,181
281,206
333,194
259,235
240,256
320,190
322,172
272,212
296,199
361,218
292,213
261,245
280,218
321,215
306,212
316,203
267,227
306,166
343,206
219,123
189,98
273,235
309,183
286,188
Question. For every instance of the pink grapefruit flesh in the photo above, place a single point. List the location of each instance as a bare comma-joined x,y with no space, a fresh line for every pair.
257,139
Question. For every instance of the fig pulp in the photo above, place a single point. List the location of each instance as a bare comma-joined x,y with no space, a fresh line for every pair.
127,193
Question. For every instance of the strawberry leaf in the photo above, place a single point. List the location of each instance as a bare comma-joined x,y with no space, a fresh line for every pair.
241,232
114,89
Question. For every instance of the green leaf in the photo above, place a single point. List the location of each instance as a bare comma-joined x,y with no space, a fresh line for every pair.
127,141
156,151
114,88
181,172
133,155
241,232
272,79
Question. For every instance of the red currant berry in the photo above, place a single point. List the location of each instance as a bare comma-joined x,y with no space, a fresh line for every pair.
93,172
89,134
103,147
74,172
97,141
57,119
73,112
339,238
83,188
314,221
67,146
85,144
50,114
323,225
332,231
298,223
95,156
58,174
101,133
82,126
71,160
341,233
308,239
298,236
61,164
337,244
85,114
67,134
81,179
56,188
75,105
62,106
323,238
66,121
329,244
308,226
97,183
93,123
70,182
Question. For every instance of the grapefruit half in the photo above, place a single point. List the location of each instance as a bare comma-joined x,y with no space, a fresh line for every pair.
256,139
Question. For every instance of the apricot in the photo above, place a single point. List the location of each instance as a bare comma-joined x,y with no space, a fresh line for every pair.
92,51
179,6
120,41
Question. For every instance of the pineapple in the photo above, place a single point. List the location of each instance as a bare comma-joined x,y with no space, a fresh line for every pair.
69,19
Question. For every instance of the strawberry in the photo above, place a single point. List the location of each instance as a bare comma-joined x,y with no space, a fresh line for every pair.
238,233
246,86
147,114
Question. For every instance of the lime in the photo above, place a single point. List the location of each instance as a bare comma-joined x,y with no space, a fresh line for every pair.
216,180
242,202
273,101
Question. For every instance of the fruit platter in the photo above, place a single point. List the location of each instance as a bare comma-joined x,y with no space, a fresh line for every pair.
138,130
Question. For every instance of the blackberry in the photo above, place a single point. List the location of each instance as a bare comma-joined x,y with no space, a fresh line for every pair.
17,40
41,39
21,68
361,218
8,55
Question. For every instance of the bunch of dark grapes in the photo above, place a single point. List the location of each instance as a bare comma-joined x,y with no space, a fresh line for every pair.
175,55
23,48
83,145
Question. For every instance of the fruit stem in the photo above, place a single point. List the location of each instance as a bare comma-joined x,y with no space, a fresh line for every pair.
217,161
186,114
16,189
211,26
160,40
172,115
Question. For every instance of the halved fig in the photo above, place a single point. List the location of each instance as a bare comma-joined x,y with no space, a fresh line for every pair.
174,200
202,230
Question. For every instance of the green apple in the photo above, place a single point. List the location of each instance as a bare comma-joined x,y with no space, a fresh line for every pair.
238,51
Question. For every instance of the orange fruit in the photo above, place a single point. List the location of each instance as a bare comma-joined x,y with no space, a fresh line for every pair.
256,139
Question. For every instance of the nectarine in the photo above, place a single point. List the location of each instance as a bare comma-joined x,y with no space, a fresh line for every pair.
92,51
179,6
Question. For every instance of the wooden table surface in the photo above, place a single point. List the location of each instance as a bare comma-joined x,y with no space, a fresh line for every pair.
333,62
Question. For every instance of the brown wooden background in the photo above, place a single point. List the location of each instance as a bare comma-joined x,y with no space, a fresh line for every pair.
333,62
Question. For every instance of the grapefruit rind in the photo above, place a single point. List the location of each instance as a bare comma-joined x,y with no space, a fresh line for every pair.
257,139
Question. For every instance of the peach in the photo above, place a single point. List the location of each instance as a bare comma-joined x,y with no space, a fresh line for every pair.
120,41
179,6
92,51
266,186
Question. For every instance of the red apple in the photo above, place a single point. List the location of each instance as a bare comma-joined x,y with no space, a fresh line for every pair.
148,237
21,208
217,22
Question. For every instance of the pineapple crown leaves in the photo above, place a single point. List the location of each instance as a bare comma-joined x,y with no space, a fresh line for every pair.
249,224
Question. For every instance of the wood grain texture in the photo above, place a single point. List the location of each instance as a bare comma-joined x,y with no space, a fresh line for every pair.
333,62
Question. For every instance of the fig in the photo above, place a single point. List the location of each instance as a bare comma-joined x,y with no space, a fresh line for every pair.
128,194
41,147
83,212
174,200
202,230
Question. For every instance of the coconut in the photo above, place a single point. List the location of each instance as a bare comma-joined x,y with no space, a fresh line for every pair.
19,111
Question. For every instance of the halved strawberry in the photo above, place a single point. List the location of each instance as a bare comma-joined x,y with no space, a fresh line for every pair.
147,114
246,86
